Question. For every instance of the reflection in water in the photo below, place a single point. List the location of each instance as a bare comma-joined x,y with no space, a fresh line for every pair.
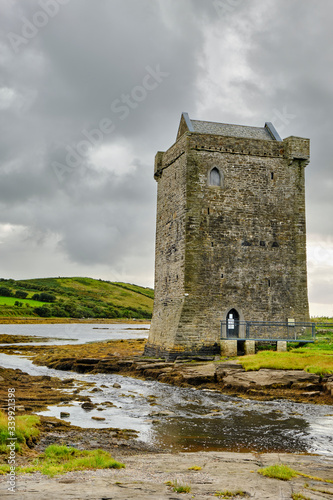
250,431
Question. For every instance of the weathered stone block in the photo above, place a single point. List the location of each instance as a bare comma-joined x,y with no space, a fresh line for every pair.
250,347
228,348
281,346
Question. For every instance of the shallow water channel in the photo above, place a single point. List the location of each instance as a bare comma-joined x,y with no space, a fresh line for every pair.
185,419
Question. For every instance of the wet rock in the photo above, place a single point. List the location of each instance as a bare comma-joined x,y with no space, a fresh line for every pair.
162,413
64,414
311,394
81,367
157,365
88,405
123,363
89,361
116,385
197,374
224,369
62,364
264,378
98,418
328,386
203,358
68,381
96,389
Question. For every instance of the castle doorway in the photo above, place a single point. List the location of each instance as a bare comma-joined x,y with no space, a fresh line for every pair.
233,324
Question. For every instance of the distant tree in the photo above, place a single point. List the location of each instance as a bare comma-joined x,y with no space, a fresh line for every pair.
5,292
43,311
20,294
58,311
47,297
35,296
18,304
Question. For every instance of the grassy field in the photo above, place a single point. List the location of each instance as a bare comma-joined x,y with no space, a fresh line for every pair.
313,358
56,459
26,428
77,298
10,301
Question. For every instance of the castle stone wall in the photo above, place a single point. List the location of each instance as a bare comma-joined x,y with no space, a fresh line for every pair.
239,245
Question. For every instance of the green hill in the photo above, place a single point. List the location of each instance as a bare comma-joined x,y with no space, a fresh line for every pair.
74,298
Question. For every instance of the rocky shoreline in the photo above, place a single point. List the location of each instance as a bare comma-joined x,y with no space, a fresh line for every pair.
146,470
125,357
224,376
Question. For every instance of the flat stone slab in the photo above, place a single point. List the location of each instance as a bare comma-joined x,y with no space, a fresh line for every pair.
145,476
265,378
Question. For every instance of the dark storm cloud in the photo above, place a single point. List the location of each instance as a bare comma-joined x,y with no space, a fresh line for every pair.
290,57
120,72
76,71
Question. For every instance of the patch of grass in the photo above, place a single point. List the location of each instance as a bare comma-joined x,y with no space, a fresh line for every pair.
61,459
25,428
278,471
320,362
299,496
230,494
315,478
195,467
326,492
285,473
177,487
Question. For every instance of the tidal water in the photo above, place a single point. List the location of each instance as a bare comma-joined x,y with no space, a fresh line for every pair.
78,333
185,419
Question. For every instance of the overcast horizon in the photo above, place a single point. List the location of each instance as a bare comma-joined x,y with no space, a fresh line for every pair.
90,91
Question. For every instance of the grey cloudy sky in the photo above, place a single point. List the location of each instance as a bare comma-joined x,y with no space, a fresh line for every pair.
91,89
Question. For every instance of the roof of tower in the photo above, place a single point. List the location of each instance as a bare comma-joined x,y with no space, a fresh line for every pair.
267,133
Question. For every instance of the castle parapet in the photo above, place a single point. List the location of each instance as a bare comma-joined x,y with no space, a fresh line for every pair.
297,148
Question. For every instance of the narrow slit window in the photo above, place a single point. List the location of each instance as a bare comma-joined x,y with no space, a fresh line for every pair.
272,175
215,177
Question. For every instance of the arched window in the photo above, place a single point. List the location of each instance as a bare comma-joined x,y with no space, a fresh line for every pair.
215,177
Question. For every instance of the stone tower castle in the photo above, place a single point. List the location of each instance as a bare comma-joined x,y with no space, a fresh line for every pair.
230,233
